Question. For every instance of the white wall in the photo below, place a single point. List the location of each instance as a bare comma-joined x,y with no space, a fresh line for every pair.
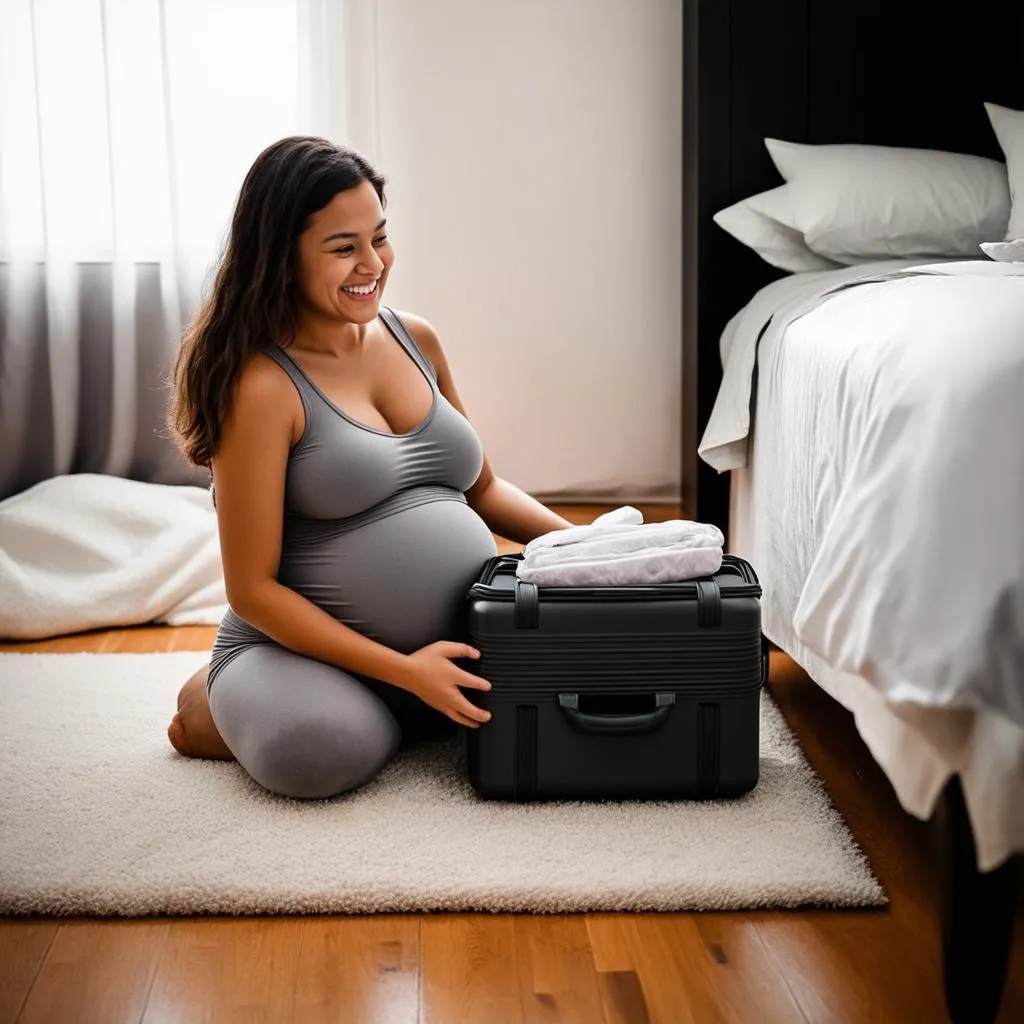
534,157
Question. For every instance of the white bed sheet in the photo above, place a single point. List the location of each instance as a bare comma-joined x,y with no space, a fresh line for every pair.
875,404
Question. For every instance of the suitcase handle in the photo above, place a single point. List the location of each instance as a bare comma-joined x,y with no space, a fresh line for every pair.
618,725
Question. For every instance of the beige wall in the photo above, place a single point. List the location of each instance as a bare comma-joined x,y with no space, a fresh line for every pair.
534,154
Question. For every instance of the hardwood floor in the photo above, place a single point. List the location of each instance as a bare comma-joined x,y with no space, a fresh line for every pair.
819,966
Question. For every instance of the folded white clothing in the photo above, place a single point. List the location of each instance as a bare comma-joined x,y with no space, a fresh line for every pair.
597,540
609,522
653,537
574,535
623,515
671,564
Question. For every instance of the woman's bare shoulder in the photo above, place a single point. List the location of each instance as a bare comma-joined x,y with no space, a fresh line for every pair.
425,337
264,397
261,378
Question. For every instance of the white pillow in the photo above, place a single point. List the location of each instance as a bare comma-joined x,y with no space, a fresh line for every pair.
1005,252
856,203
1009,128
754,222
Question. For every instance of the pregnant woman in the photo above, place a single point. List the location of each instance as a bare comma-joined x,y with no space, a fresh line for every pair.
355,505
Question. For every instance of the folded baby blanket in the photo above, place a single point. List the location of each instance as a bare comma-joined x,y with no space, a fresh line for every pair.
618,549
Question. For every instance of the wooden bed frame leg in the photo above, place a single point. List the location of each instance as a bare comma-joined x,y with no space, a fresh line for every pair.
978,919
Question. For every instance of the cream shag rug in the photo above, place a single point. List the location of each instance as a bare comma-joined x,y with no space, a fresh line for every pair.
99,815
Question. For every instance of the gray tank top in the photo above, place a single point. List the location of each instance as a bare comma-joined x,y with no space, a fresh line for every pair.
377,530
343,469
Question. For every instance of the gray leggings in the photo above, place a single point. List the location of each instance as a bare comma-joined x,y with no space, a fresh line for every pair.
305,729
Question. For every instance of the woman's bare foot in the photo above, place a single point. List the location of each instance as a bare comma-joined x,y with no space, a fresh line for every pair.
192,731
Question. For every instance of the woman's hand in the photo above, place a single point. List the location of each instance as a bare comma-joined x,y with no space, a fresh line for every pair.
431,676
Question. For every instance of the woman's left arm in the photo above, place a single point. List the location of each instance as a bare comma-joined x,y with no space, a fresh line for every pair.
508,511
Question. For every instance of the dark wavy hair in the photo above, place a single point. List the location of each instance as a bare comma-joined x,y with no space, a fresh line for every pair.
251,305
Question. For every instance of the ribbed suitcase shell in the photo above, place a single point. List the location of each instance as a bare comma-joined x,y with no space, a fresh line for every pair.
616,692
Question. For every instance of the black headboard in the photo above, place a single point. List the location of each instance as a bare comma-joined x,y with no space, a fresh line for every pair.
885,72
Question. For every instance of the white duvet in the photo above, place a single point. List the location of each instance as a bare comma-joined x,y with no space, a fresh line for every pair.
88,551
904,448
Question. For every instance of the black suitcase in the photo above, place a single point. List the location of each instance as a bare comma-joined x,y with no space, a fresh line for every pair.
599,693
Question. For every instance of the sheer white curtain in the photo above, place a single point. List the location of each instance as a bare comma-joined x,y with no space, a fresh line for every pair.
126,128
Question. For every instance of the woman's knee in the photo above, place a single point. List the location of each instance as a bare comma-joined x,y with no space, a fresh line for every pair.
299,727
316,758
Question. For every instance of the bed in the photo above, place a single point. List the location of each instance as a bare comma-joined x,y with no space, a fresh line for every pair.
857,431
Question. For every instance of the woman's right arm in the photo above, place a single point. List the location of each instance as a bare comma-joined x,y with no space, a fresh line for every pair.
249,479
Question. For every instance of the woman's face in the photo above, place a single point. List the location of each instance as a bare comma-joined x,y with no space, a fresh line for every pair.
343,257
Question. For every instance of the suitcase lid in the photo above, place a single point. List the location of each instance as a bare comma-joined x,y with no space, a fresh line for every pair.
497,582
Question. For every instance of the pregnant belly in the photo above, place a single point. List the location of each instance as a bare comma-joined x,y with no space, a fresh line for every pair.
401,579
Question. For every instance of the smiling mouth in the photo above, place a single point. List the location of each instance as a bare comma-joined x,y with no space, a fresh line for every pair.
362,292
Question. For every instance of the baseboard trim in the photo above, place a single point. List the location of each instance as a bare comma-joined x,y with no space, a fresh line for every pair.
606,499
